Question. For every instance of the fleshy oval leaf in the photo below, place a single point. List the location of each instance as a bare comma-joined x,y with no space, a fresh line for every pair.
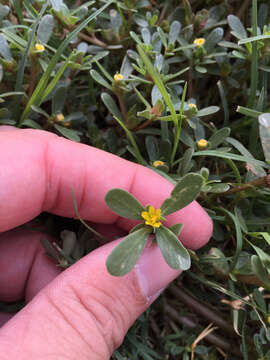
174,253
220,136
124,204
125,255
264,126
176,228
185,191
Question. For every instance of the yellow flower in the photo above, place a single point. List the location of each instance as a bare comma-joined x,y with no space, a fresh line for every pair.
199,42
60,117
202,144
158,163
39,47
192,106
152,217
118,77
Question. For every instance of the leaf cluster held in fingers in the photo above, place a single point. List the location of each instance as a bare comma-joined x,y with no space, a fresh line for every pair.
126,254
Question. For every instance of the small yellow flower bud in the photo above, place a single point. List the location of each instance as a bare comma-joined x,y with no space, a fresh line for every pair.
152,217
158,163
202,144
199,42
268,319
39,47
192,106
60,117
118,77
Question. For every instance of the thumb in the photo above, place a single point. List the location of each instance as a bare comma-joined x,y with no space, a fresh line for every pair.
85,312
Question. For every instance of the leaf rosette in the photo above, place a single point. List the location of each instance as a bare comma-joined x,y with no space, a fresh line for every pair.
126,254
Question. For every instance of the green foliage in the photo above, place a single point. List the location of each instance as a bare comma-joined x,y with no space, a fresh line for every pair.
173,93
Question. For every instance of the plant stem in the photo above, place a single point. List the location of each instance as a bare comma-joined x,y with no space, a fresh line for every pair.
213,339
34,68
201,309
122,105
254,58
235,170
131,139
178,126
262,181
93,40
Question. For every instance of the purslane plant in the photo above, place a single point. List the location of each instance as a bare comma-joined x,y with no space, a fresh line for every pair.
126,254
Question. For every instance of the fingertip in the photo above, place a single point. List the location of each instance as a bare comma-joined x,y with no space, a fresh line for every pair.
198,226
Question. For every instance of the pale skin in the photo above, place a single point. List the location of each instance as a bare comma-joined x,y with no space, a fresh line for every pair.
83,312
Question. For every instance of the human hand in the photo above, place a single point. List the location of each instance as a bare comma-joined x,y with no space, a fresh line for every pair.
82,312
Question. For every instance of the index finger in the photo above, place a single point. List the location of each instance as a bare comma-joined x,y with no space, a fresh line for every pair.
39,170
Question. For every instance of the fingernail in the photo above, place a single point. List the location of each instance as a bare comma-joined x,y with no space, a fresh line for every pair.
153,273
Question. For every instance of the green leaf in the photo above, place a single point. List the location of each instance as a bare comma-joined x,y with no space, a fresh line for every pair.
239,237
68,133
69,240
99,79
174,253
124,204
218,188
221,154
248,112
32,124
45,28
176,228
217,138
253,38
237,27
50,250
213,38
201,69
59,98
258,297
137,227
207,111
256,168
264,127
4,10
111,105
125,255
219,261
152,148
260,271
3,112
264,257
7,122
162,36
185,164
4,48
174,31
185,191
40,111
135,37
230,45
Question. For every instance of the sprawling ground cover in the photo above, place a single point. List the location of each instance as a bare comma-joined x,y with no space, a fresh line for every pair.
178,86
